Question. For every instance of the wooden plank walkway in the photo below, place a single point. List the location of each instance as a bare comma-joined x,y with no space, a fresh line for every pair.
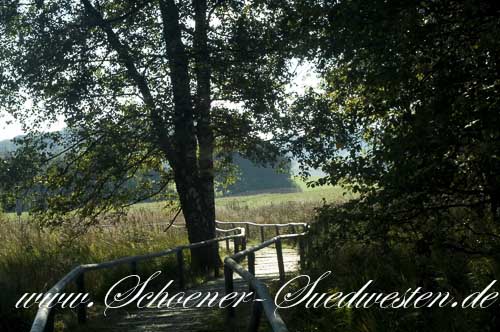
197,319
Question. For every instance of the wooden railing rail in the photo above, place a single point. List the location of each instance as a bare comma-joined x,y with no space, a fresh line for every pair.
266,304
44,319
260,225
292,226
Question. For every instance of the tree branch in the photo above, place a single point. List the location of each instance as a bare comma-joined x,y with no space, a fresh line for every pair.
124,55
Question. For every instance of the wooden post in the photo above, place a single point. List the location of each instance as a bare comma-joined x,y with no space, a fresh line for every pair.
236,243
257,306
281,267
247,231
229,288
293,232
302,252
251,263
82,307
255,317
180,267
262,237
227,244
216,268
277,230
243,243
251,267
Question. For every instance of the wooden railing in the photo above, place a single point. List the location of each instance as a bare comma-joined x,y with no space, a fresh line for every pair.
267,305
44,319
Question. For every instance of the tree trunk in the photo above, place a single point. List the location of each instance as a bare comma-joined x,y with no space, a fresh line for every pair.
200,224
204,132
193,173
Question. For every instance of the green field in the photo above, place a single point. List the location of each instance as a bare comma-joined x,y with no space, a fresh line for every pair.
306,194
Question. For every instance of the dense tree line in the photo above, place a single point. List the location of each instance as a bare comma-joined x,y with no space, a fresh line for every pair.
408,118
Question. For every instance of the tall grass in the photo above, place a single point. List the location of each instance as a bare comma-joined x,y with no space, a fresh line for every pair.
33,259
395,268
281,212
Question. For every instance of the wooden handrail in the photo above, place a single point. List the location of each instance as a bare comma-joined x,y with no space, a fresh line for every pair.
267,304
43,313
264,244
292,224
262,225
277,323
43,319
44,316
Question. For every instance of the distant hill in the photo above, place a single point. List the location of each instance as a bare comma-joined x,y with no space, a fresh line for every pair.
258,179
252,178
294,168
6,146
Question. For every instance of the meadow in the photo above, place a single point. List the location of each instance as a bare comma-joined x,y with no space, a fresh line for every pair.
33,259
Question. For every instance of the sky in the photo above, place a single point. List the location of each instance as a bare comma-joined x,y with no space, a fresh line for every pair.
10,127
8,131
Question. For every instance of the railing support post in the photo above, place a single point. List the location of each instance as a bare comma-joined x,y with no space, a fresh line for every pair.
294,232
302,246
277,230
247,232
251,263
236,242
229,288
257,305
180,267
281,266
82,307
255,317
216,258
227,245
262,237
243,243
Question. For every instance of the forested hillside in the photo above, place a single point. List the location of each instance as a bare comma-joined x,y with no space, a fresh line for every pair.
249,177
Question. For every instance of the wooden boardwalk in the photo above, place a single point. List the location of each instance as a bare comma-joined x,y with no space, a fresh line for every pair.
204,318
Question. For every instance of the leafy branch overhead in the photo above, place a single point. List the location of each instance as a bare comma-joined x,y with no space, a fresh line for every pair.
408,117
135,82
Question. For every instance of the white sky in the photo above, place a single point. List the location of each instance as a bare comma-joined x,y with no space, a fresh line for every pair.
10,127
8,131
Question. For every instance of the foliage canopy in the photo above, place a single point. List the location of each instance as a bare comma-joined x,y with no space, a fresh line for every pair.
143,86
408,116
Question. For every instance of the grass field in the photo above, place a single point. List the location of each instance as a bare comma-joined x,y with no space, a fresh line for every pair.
330,194
269,207
306,195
